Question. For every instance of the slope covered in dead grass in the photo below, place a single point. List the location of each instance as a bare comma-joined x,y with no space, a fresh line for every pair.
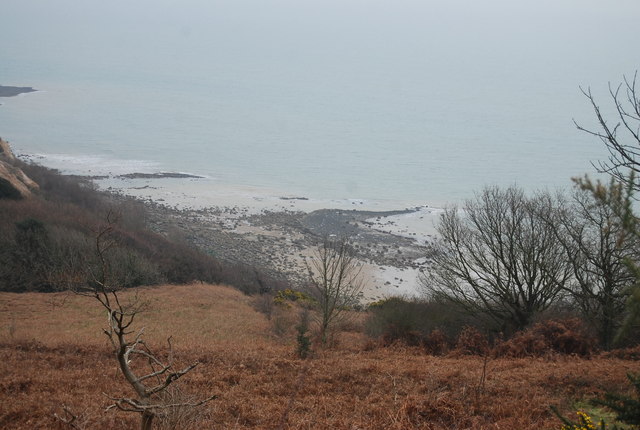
52,353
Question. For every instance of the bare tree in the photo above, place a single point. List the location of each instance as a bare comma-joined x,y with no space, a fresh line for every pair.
624,149
336,282
146,373
497,258
621,203
623,166
597,246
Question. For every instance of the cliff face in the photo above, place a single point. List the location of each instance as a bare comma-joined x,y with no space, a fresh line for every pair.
14,175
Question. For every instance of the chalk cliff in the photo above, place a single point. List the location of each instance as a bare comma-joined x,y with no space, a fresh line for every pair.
12,174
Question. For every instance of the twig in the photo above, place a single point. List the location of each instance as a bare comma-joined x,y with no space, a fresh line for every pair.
69,419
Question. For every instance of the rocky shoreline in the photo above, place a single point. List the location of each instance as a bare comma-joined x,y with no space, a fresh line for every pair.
279,242
277,237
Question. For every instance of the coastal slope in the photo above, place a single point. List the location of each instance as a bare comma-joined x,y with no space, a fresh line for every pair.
55,355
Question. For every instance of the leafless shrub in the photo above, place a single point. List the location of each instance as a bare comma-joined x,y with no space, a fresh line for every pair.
436,342
631,353
148,375
335,283
184,416
471,342
553,336
283,321
263,303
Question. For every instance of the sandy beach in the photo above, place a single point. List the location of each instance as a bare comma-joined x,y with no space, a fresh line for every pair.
278,232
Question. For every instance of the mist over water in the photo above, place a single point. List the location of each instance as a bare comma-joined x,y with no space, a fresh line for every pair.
408,101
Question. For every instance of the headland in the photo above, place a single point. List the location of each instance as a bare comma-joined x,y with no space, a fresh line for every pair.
8,91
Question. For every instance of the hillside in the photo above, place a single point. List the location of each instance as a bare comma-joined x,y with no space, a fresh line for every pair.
49,223
56,358
53,354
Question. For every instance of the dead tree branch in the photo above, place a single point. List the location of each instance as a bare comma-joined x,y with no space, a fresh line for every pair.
623,148
138,363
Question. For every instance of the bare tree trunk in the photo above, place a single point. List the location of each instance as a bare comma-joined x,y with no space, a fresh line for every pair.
147,421
144,371
336,282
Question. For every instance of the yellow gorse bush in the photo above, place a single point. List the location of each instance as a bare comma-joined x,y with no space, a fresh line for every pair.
289,295
584,423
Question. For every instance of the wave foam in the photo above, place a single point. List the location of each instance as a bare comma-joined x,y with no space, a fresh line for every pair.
91,165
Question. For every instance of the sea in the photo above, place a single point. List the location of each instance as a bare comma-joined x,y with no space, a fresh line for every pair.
405,102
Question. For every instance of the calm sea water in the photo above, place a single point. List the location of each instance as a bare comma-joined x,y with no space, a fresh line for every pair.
420,102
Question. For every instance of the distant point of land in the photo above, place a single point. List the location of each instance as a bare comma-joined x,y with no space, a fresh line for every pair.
159,175
14,91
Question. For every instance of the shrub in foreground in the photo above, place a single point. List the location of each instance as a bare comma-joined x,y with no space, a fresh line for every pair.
561,336
471,341
414,322
626,410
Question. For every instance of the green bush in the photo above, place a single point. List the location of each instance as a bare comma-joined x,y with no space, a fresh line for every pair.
626,408
396,319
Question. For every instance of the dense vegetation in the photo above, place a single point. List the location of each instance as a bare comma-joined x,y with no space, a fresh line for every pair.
47,243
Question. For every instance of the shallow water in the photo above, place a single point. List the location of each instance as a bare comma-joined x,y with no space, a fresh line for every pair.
405,102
